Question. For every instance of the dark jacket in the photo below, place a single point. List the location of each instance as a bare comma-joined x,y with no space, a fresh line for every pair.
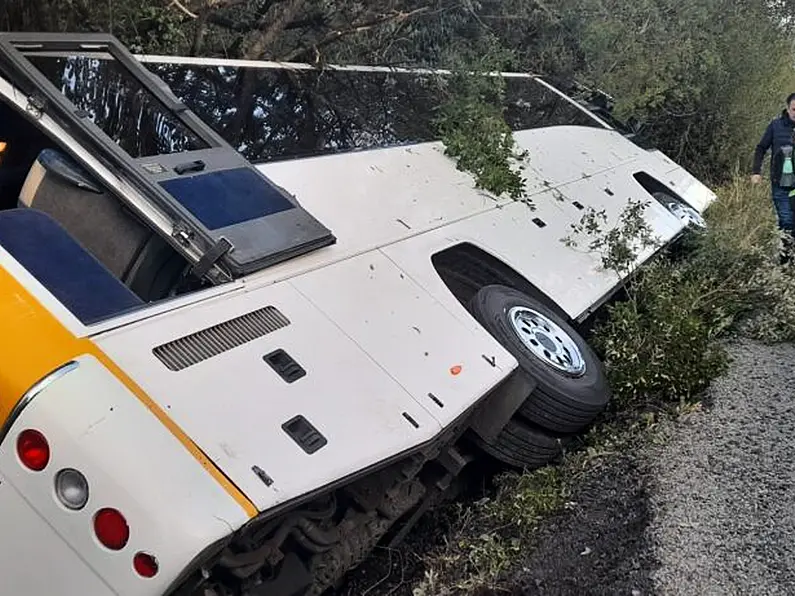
777,134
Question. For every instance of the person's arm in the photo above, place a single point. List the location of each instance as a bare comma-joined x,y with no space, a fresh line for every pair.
759,153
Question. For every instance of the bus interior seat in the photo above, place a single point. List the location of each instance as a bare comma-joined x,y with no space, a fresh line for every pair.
103,225
23,142
75,277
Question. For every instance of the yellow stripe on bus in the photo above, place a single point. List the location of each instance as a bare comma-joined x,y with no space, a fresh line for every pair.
33,343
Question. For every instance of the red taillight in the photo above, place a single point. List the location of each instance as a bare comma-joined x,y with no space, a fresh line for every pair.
145,565
33,450
111,528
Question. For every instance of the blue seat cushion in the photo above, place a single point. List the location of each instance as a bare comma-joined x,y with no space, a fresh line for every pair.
70,273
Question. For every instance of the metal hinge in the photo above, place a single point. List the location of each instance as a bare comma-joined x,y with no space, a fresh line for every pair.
208,264
209,260
36,105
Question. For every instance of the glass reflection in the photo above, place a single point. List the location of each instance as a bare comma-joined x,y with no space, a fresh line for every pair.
271,114
107,94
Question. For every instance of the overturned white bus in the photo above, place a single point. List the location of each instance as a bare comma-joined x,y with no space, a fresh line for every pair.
179,236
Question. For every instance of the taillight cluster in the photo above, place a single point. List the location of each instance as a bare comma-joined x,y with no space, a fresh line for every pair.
71,489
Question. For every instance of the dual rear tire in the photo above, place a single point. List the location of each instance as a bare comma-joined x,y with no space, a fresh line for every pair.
572,387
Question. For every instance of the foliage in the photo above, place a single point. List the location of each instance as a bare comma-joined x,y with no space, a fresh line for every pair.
621,246
143,25
662,340
749,285
487,537
658,342
704,99
472,126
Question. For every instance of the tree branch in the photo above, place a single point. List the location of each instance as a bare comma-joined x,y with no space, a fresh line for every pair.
183,8
214,18
333,36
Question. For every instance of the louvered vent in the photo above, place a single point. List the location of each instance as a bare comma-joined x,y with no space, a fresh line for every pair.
192,349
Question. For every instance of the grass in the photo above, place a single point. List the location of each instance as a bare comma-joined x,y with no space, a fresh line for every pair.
662,347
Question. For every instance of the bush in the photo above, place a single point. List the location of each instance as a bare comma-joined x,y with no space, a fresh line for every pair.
657,342
662,341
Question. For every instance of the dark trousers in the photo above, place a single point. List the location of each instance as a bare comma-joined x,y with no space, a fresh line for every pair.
781,201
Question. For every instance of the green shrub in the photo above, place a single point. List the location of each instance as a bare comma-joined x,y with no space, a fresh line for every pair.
662,341
487,537
657,342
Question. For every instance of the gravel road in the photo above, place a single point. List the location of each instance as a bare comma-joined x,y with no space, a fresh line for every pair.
709,509
724,494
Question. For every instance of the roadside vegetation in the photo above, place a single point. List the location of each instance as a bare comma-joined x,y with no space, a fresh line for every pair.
699,80
663,342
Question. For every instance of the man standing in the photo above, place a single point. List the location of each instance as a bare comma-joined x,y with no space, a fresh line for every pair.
778,138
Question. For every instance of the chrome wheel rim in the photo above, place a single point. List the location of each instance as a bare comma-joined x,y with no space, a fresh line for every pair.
546,340
686,214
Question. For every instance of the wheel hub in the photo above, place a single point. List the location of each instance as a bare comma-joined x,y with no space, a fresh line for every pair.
547,341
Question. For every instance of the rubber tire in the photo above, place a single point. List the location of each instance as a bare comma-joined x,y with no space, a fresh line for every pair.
523,446
561,403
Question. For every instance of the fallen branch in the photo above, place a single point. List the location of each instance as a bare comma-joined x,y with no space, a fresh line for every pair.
183,8
285,14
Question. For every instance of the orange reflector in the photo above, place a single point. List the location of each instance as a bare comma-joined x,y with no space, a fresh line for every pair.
3,146
456,370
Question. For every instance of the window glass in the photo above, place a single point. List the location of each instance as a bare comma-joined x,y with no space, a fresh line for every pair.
113,99
269,114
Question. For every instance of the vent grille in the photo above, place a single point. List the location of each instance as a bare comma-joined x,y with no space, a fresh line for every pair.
189,350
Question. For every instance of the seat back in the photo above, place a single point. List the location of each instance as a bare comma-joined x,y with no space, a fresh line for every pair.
129,249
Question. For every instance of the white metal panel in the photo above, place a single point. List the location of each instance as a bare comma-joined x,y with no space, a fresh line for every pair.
371,198
234,405
610,192
413,257
408,333
678,179
690,188
560,154
571,278
34,559
174,508
665,162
